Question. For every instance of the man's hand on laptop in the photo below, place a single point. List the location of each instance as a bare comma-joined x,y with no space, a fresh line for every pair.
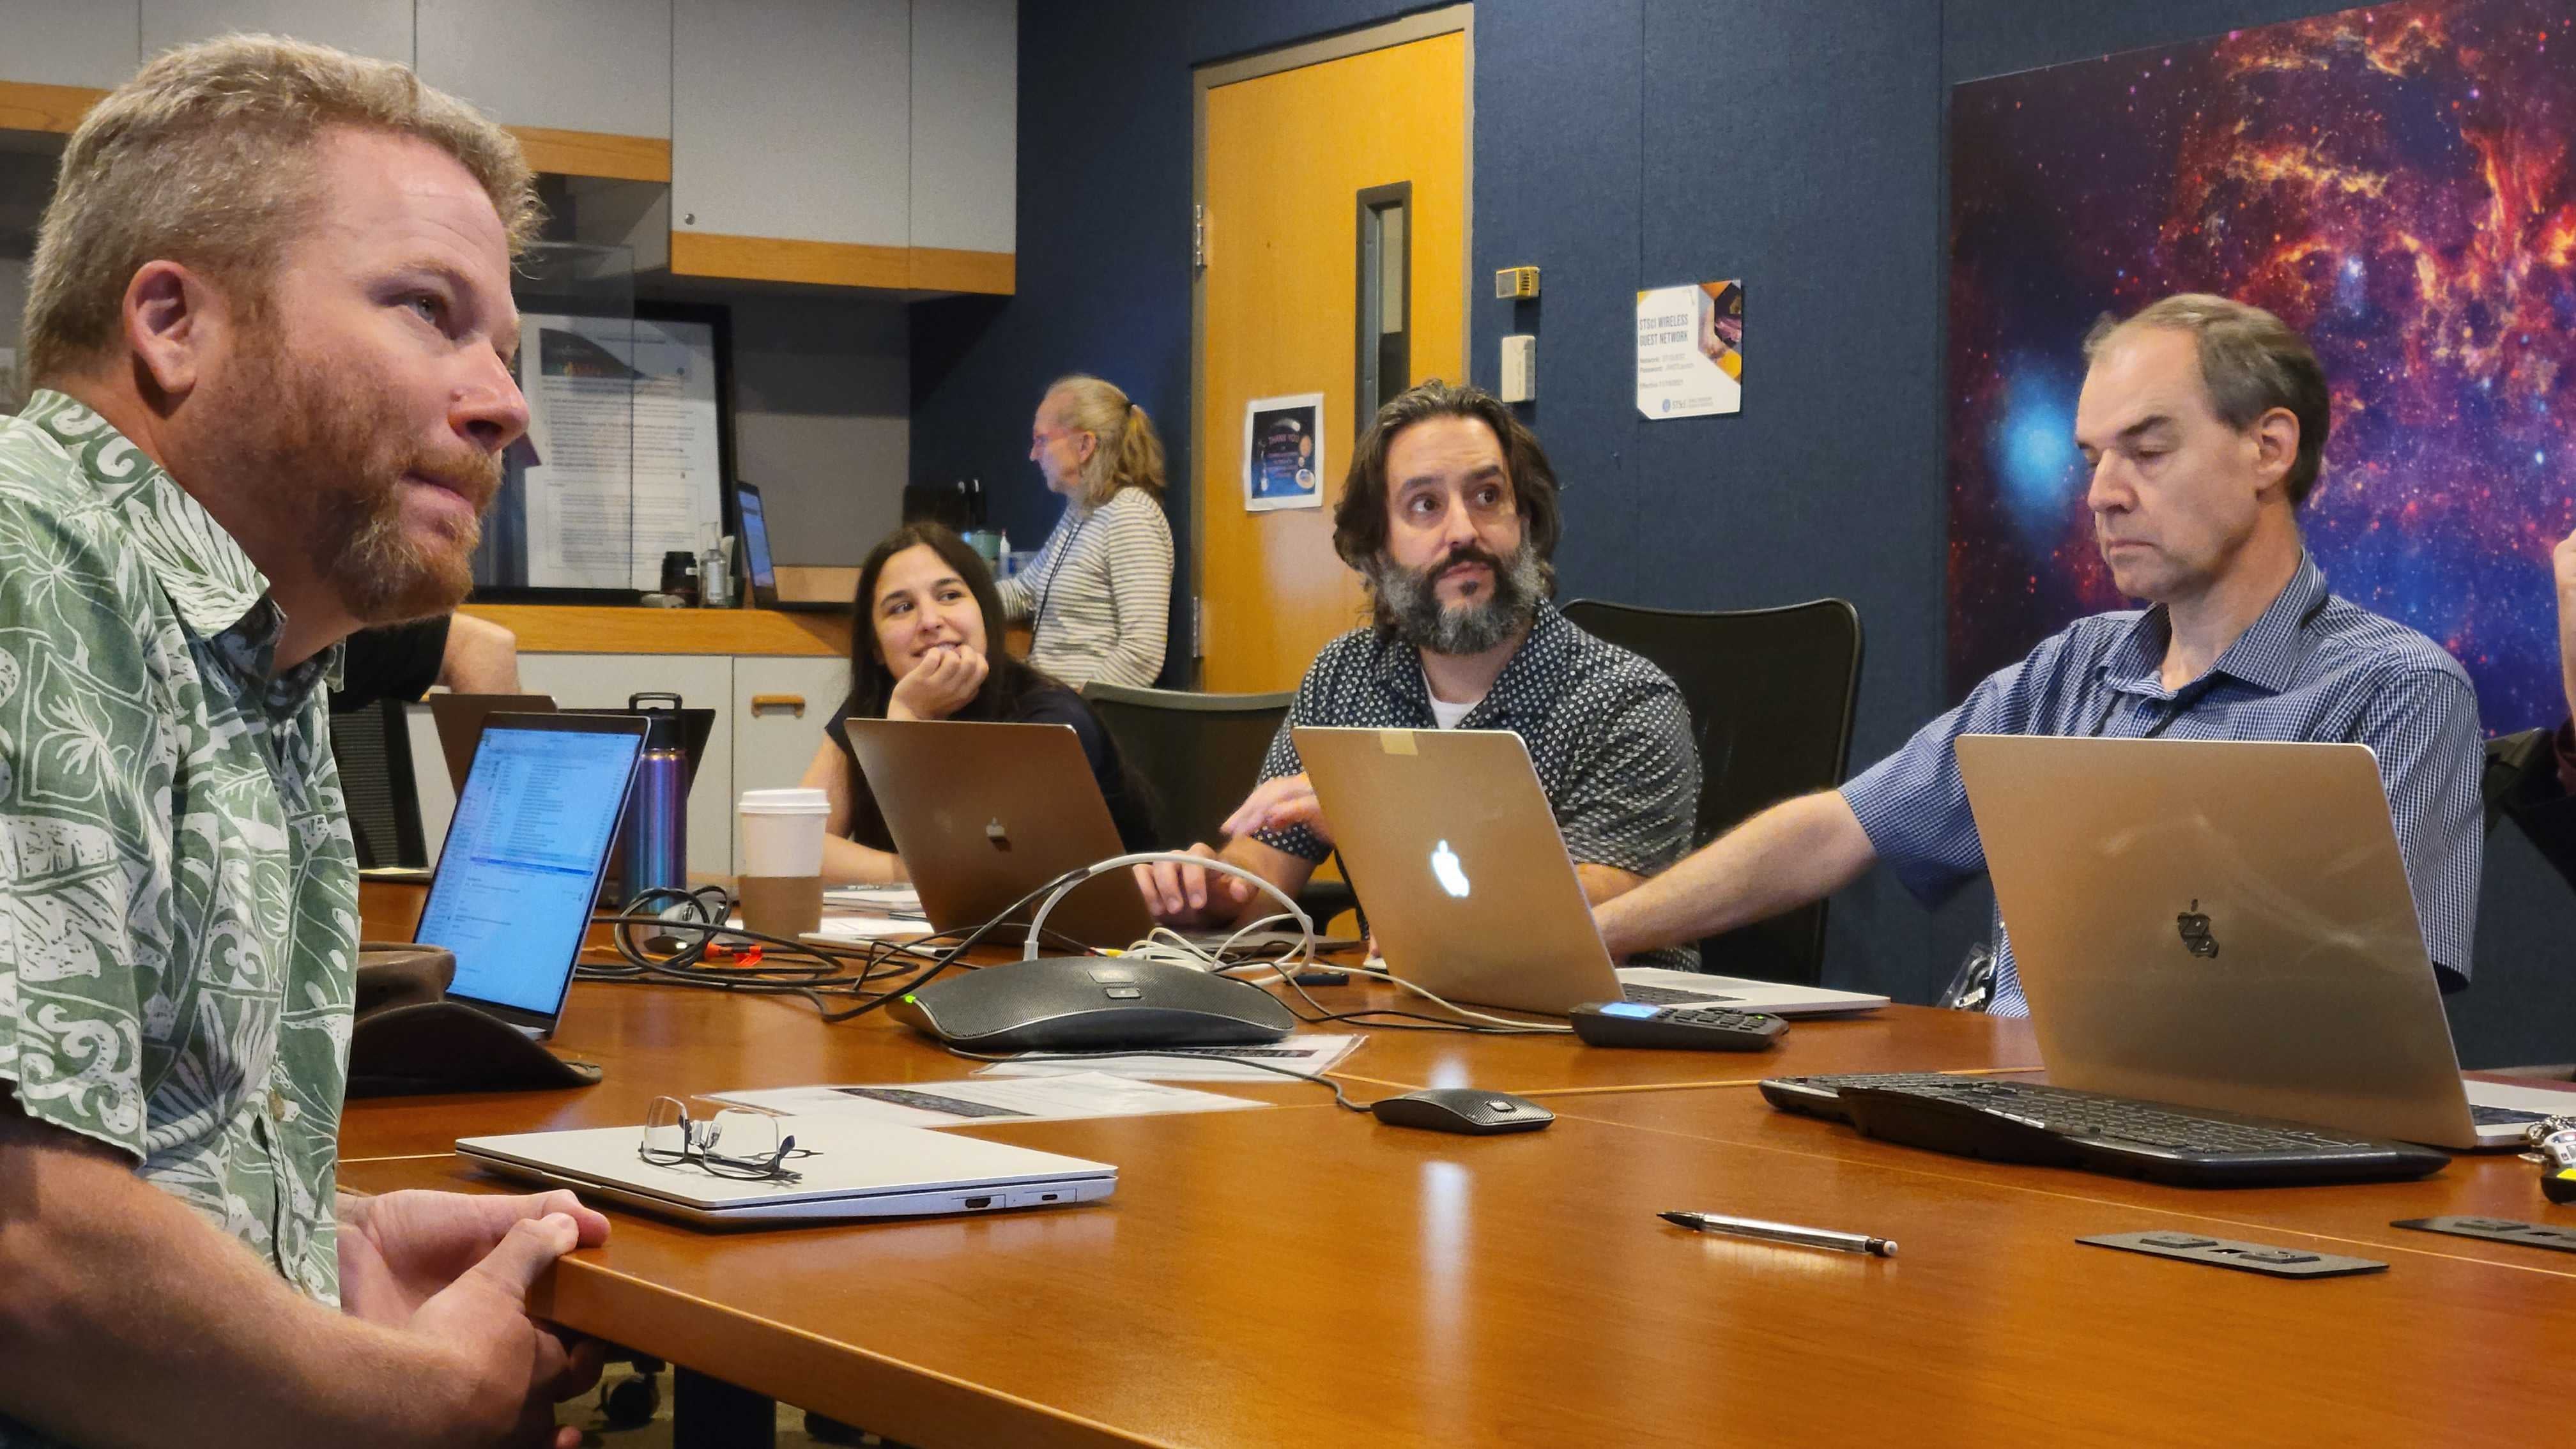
1191,895
1277,805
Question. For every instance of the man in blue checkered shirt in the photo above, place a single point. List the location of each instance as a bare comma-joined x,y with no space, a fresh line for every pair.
2204,423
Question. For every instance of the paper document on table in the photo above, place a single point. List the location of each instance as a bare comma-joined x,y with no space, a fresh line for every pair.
1009,1099
1303,1052
852,926
876,900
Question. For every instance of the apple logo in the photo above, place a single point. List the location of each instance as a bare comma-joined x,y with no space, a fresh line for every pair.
1445,867
2194,928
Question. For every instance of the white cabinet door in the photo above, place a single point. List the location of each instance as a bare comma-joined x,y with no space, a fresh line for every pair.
381,28
774,739
52,43
703,681
965,124
792,119
568,65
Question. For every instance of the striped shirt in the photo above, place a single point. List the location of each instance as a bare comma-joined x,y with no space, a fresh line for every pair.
2313,667
1099,593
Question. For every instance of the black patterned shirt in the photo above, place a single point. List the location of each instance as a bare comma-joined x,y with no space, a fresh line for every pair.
1606,730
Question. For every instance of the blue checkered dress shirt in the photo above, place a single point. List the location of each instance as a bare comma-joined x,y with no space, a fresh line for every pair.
2313,667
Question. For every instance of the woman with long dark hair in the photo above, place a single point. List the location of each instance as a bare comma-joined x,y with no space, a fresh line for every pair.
926,645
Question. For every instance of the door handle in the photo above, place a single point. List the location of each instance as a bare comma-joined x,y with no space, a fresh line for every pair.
792,703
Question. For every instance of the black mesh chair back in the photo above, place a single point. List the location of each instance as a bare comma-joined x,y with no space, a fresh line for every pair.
1770,694
373,747
1198,754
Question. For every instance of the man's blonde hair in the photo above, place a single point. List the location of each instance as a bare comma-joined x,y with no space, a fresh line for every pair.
206,158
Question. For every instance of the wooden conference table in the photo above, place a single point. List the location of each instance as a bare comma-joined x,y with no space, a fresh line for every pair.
1303,1275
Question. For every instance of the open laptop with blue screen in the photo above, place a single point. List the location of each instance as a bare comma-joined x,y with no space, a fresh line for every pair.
521,868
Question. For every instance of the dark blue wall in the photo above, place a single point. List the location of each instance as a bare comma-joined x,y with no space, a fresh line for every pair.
1622,144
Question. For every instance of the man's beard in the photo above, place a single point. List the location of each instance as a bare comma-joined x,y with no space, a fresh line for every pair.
320,453
1408,603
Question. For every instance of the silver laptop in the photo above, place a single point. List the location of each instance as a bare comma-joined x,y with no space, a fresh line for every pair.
1456,857
982,814
842,1170
2225,924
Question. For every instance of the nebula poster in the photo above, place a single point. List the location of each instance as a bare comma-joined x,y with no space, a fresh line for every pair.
2395,181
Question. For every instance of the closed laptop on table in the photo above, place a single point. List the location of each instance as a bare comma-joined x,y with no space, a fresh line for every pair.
842,1170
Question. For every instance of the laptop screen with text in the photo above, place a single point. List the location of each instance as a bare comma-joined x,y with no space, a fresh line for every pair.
525,853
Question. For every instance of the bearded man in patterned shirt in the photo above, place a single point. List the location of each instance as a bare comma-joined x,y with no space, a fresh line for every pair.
1449,513
270,332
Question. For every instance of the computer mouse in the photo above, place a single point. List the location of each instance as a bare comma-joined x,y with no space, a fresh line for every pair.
1472,1110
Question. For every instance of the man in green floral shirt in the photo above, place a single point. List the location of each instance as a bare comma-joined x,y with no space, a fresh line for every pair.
270,329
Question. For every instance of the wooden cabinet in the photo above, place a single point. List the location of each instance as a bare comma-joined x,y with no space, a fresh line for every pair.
790,139
602,66
965,141
381,28
852,143
49,43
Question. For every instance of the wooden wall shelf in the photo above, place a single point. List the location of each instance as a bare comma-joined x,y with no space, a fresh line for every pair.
29,106
607,629
841,264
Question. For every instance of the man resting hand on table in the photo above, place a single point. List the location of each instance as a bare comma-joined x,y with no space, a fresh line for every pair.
1449,512
270,330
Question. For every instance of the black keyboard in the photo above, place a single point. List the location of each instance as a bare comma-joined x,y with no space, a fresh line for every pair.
2501,1116
1670,995
2009,1121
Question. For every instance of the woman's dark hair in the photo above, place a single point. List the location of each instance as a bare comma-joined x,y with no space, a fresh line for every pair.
1007,680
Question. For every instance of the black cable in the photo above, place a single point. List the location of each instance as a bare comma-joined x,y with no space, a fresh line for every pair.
709,907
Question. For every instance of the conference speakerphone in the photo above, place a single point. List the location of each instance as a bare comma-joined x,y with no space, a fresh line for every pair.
1092,1003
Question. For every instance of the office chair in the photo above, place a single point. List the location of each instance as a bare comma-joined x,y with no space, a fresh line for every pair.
1199,754
373,747
1770,694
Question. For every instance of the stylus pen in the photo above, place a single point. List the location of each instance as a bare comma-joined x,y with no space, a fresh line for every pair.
1785,1233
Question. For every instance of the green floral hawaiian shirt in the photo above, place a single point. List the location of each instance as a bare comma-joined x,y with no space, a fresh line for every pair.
178,895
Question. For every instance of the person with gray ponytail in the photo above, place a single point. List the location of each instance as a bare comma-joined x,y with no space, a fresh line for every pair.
1098,596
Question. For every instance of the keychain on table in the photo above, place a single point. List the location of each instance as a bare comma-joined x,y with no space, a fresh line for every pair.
2553,1146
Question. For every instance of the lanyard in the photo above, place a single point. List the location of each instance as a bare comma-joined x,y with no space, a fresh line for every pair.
1063,556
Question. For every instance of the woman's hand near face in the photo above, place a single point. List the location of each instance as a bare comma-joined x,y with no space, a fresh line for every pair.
938,686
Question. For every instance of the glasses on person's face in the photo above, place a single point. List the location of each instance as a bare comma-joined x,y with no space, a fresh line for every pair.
735,1142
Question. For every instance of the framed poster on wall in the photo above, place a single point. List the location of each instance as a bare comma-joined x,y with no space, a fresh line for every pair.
1283,452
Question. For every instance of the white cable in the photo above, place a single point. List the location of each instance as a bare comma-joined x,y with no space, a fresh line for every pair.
1029,949
1391,979
1306,953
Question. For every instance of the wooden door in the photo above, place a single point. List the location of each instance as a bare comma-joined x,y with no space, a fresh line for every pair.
1287,156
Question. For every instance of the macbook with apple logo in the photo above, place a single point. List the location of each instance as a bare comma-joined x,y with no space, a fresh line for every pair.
1454,852
2226,924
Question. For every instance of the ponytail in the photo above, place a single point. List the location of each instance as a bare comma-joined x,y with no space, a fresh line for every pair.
1127,453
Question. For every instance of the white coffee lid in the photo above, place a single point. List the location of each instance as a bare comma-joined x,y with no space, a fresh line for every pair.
785,802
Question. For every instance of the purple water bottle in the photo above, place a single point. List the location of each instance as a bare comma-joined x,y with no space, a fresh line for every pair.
656,829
